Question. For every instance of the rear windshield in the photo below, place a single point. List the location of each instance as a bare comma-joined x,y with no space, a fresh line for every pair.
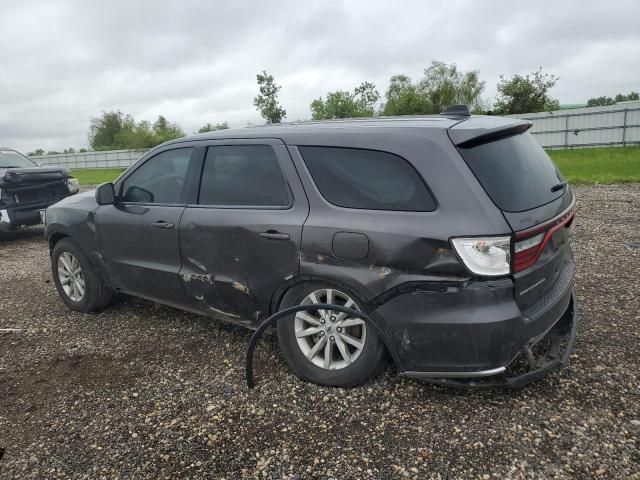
515,171
10,158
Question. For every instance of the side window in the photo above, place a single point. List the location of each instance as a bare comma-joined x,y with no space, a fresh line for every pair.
366,179
243,176
160,179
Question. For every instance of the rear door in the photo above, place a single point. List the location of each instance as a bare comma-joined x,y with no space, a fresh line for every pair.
537,203
139,232
241,239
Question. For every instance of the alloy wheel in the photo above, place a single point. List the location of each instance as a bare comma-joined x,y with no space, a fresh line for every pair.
71,276
331,340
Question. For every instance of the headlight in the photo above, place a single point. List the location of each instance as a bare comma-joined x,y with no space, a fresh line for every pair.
487,256
73,185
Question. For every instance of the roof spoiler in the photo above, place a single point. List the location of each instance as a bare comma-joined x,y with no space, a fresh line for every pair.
457,111
494,135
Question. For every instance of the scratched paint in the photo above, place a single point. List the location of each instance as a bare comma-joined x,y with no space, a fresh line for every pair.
241,287
198,264
221,312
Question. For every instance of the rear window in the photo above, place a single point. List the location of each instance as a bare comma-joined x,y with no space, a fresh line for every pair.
515,171
243,176
366,179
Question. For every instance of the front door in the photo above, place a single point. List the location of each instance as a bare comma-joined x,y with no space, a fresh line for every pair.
139,233
241,239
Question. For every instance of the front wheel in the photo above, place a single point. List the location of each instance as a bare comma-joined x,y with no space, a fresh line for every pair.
76,279
327,347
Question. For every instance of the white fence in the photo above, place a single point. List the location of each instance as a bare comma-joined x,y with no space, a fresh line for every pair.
613,125
106,159
610,126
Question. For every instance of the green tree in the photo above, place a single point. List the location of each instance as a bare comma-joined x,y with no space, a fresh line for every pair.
343,104
632,96
209,127
267,101
139,136
405,98
105,130
443,85
601,101
115,130
163,130
526,93
38,151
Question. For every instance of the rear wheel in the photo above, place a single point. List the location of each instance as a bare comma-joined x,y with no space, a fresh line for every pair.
76,279
327,347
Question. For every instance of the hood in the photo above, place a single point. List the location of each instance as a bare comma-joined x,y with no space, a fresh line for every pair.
81,197
16,176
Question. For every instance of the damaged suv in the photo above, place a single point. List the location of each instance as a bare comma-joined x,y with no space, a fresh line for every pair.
451,232
27,189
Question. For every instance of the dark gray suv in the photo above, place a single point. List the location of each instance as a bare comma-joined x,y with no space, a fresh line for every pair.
450,232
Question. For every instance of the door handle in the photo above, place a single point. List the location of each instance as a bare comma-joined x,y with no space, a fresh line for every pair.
273,235
164,225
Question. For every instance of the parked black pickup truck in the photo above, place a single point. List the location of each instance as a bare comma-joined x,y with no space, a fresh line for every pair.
26,189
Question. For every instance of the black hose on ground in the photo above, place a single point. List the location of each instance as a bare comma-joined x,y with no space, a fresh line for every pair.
288,311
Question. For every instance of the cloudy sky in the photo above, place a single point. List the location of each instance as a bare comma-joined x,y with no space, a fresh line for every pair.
195,61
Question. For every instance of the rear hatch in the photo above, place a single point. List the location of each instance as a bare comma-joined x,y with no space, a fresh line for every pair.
526,186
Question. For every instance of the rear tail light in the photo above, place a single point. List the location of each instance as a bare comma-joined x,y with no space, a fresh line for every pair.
486,256
529,244
526,252
493,256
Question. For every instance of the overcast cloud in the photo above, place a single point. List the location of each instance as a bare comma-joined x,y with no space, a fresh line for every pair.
195,62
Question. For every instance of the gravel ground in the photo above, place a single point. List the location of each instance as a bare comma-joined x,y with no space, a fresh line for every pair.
145,391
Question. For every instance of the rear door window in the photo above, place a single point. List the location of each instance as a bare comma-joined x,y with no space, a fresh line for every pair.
243,176
515,172
366,179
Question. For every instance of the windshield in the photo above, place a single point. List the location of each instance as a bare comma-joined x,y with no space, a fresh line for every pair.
516,172
11,158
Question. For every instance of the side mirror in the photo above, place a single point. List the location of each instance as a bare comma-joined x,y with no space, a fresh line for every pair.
105,194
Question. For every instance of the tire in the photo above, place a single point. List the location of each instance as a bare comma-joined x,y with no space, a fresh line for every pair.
95,294
365,362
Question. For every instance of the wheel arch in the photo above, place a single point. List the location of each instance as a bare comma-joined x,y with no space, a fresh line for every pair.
297,282
54,238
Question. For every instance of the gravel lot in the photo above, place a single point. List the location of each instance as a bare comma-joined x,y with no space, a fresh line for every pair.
145,391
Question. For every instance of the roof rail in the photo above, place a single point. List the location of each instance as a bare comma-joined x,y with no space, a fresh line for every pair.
457,110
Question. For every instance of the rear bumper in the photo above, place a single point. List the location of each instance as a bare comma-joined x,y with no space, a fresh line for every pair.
11,217
530,364
477,335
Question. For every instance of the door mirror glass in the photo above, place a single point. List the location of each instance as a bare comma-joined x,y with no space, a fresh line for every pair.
105,194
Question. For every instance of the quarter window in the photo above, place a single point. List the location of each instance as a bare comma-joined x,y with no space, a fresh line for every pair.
243,176
160,179
366,179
